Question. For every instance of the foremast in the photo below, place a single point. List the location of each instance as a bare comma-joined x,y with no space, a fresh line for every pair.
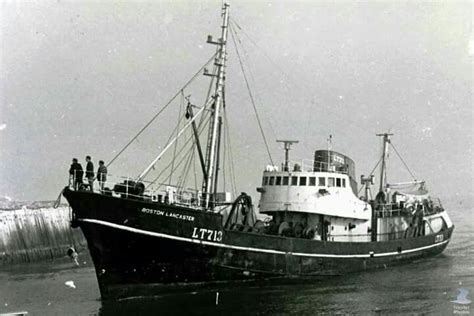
212,154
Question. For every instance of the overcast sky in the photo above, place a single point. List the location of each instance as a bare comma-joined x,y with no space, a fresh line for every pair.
82,78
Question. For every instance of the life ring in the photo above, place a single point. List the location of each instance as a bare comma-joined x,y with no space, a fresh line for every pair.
311,233
285,229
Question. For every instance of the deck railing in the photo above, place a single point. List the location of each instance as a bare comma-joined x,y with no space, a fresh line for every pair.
308,165
126,187
402,209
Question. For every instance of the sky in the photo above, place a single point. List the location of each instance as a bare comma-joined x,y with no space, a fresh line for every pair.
81,78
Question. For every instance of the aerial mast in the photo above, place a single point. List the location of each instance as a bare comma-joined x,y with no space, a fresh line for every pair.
287,146
220,63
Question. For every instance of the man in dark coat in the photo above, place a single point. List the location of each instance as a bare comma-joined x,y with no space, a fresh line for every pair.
102,175
90,172
76,173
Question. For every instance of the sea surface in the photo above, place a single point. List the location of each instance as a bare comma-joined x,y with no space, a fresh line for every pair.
427,286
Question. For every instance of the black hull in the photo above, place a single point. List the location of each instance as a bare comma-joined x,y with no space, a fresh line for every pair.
143,248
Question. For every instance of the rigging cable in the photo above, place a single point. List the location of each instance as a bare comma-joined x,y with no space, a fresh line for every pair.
160,111
169,164
230,157
250,94
177,130
246,54
187,165
179,152
403,161
378,163
177,165
293,82
201,122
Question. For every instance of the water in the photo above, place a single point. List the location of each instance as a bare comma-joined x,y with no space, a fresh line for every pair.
425,286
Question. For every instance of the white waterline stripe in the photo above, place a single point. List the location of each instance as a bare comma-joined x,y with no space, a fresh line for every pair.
215,244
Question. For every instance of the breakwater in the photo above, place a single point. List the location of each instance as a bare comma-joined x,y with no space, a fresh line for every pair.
36,232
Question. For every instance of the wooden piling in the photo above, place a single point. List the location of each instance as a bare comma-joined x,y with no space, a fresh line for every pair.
33,234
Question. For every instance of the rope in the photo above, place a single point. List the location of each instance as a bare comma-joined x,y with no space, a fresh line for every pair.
58,200
403,161
250,94
162,109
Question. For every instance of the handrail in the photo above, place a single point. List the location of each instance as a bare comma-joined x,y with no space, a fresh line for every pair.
388,209
308,165
171,194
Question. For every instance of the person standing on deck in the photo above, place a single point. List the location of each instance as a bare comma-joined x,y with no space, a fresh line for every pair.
76,173
90,172
102,175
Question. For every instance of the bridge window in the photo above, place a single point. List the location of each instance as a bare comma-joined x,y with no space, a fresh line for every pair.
343,183
322,181
265,180
338,182
278,181
286,180
294,180
302,180
312,181
272,181
330,182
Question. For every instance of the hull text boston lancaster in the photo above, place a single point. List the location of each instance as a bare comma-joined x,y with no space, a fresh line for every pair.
168,214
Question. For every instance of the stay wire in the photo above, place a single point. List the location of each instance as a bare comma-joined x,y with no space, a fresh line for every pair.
250,94
179,152
246,54
378,163
177,130
190,157
403,161
161,111
291,79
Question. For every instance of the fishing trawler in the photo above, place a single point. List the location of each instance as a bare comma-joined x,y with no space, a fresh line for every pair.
145,236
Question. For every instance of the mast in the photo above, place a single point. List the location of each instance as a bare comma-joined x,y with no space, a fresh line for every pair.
216,175
287,144
220,63
383,169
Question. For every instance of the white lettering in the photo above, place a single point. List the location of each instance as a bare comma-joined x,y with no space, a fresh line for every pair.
178,216
195,235
439,238
207,234
219,236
